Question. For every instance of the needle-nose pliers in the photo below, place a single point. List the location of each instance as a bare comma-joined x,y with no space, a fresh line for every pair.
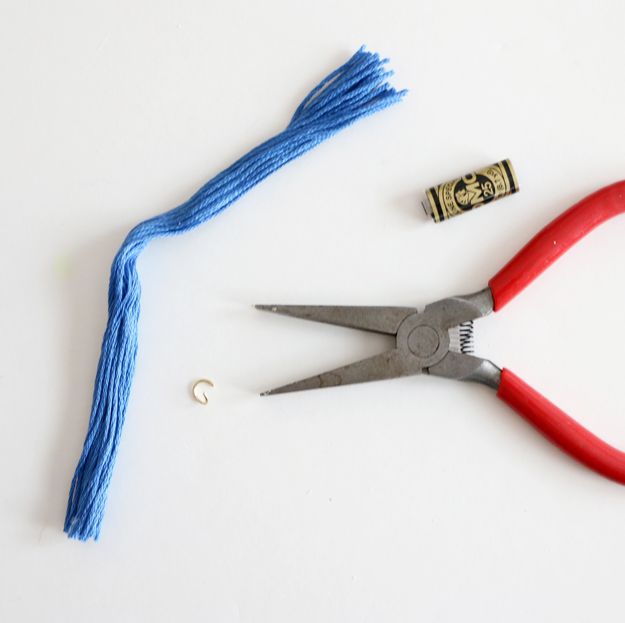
437,340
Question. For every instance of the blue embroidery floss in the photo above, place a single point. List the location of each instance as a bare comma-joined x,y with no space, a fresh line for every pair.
356,89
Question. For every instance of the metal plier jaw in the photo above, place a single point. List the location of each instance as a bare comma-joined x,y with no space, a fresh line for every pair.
423,342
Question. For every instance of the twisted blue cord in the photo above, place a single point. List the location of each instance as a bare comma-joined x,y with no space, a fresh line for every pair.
356,89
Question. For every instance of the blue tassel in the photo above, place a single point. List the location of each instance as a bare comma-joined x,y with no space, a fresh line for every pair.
353,91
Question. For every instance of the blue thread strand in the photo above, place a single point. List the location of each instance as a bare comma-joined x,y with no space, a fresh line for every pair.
356,89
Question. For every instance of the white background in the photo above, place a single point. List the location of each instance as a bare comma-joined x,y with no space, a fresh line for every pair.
409,500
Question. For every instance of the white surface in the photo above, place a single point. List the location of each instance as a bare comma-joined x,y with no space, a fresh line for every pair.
408,500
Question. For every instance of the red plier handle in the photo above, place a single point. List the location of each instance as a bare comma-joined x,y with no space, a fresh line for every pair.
544,249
